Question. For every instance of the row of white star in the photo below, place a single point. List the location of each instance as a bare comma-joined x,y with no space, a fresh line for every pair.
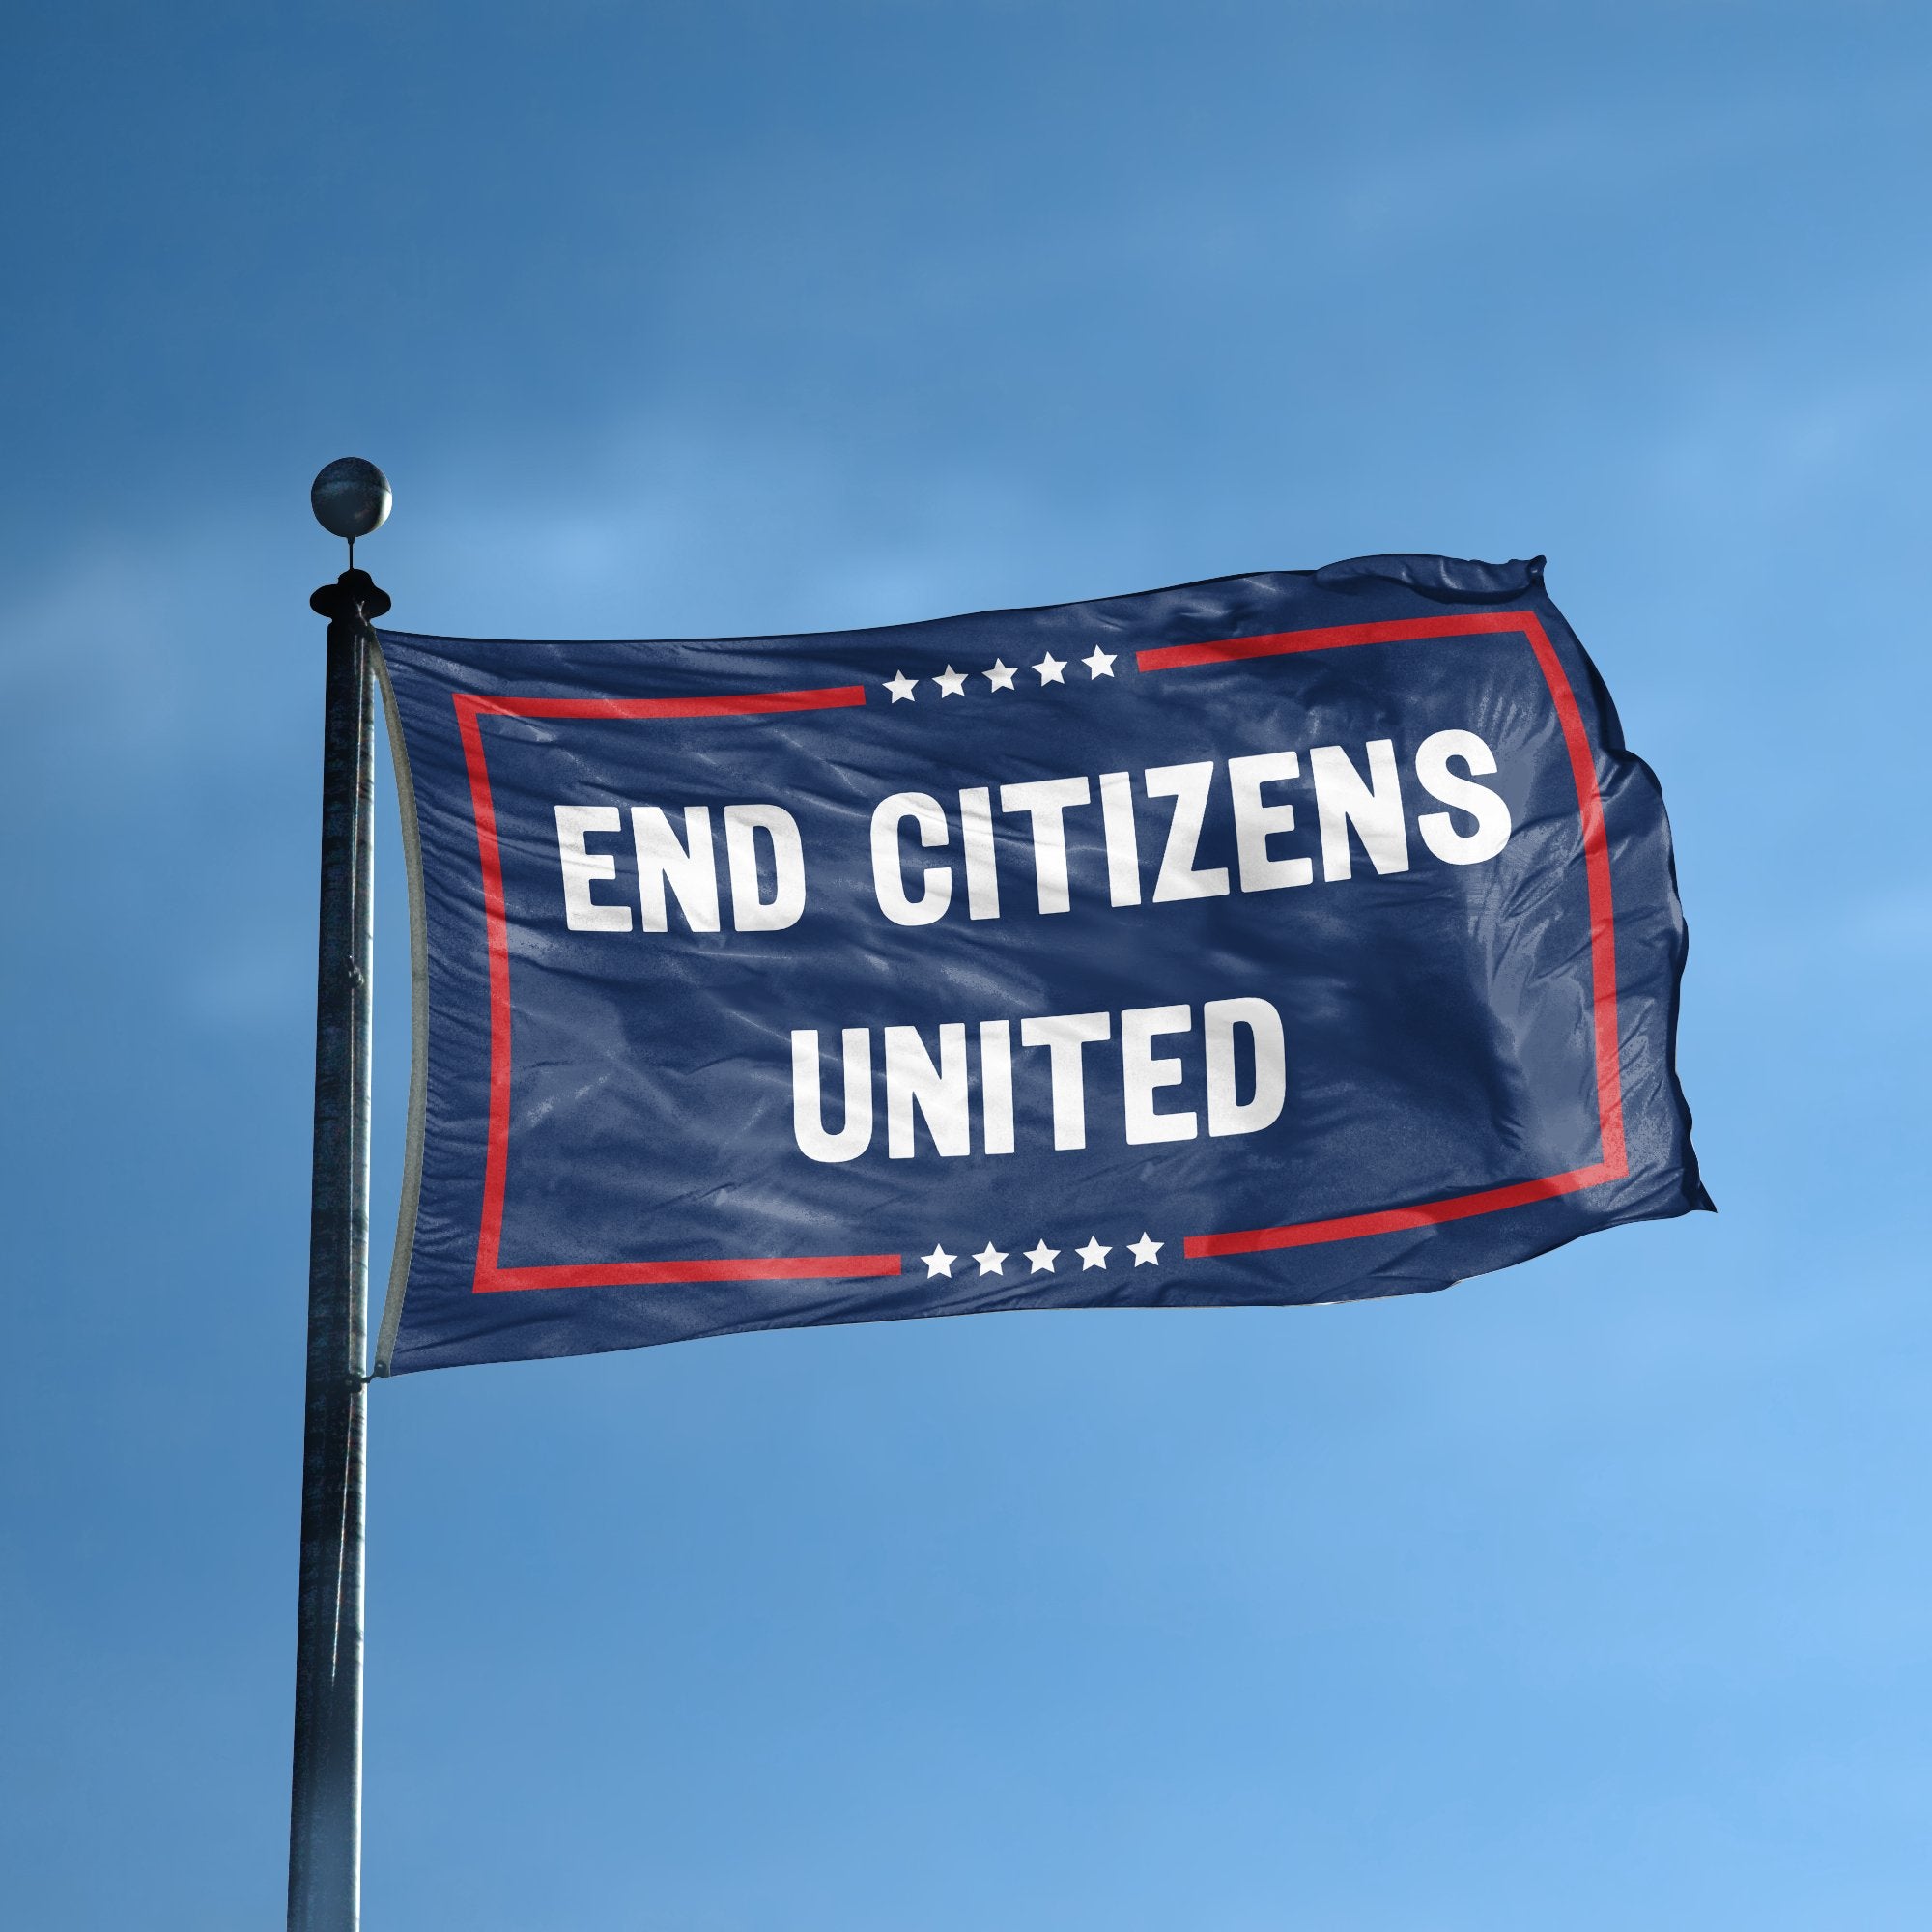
951,683
1146,1253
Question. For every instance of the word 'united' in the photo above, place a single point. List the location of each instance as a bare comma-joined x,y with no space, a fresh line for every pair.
1243,1059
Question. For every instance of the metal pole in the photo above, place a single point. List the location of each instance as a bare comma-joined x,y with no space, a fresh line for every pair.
326,1818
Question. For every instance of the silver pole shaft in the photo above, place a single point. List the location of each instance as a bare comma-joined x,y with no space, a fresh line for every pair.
325,1816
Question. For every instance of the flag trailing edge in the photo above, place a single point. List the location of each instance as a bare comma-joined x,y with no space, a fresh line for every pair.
1287,938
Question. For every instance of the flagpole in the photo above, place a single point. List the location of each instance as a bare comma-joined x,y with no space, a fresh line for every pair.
350,499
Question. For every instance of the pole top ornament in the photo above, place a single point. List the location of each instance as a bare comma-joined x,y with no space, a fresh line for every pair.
350,497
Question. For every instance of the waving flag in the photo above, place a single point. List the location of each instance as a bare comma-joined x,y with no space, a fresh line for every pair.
1298,937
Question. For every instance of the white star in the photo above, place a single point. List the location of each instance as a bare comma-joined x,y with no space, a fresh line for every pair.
1092,1255
1101,664
951,683
1000,677
1049,669
901,686
938,1262
991,1260
1145,1250
1042,1258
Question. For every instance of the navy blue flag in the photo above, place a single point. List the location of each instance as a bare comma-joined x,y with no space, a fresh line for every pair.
1299,937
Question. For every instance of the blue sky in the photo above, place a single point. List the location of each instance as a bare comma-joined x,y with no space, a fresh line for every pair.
1590,1595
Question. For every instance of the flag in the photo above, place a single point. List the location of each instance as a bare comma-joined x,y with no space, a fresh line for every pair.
1298,937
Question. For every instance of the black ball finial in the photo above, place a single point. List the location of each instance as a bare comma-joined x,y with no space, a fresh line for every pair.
351,497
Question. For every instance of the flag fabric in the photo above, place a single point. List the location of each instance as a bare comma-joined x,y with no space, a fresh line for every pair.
1299,937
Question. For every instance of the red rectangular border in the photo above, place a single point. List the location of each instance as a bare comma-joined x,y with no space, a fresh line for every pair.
470,707
1615,1162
